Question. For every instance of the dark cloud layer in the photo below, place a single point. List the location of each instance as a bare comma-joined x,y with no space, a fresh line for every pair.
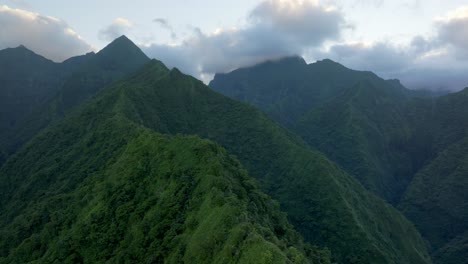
45,35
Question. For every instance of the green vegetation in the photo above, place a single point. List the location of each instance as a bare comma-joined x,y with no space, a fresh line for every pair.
437,200
400,144
95,169
42,92
365,130
354,117
324,204
115,192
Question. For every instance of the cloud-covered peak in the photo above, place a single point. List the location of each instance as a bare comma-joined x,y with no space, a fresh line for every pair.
273,29
46,35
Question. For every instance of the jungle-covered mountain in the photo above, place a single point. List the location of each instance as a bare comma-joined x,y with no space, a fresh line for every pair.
406,146
135,145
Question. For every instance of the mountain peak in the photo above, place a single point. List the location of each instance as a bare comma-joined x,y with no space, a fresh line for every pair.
294,59
327,62
287,60
122,51
120,42
122,46
22,47
123,39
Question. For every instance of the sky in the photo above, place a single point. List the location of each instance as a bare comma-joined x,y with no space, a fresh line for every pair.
422,43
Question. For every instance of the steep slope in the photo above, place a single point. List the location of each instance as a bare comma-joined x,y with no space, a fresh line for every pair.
454,252
437,123
325,204
118,59
437,201
86,75
99,188
365,130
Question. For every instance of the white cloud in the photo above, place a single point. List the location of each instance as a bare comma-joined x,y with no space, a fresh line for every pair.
45,35
274,28
120,26
277,28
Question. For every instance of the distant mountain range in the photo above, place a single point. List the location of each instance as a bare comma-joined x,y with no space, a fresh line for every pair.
112,157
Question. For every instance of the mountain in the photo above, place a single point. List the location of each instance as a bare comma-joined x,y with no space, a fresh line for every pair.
27,80
288,88
406,146
333,109
85,183
323,203
86,75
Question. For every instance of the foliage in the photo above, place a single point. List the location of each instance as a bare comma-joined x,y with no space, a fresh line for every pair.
99,188
396,142
324,204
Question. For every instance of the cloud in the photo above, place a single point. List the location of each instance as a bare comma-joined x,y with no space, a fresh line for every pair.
278,28
423,64
274,28
48,36
166,25
118,27
381,57
436,62
302,22
453,30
